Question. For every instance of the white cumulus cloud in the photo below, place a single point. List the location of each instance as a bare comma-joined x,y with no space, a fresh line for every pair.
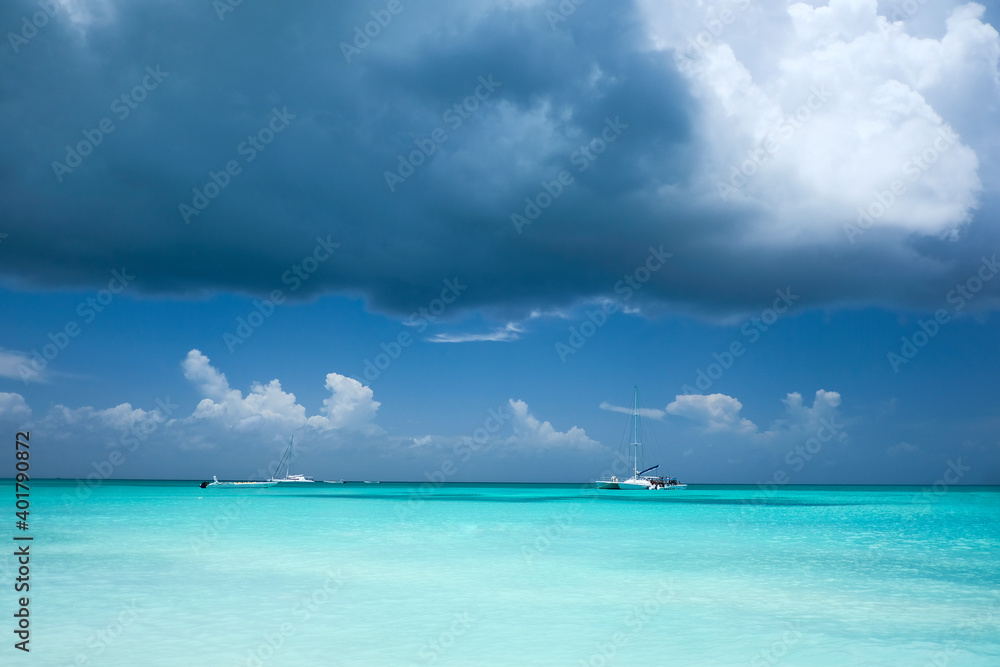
844,104
651,413
530,432
351,405
802,418
12,406
239,434
717,412
18,365
902,448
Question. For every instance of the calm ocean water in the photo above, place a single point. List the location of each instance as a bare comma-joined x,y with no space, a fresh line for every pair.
166,573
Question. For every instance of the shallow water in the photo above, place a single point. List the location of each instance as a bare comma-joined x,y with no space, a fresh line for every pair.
166,573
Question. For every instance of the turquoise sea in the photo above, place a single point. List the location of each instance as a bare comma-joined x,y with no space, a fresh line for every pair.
167,573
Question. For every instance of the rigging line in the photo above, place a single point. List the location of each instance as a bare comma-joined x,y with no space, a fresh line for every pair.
624,446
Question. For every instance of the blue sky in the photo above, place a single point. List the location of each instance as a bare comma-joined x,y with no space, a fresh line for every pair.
466,236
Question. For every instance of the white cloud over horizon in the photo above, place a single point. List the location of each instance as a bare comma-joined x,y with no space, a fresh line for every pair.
18,366
531,432
12,407
721,414
865,92
651,413
225,419
902,448
350,406
717,412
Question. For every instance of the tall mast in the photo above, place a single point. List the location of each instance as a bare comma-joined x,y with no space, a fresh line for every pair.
635,429
286,456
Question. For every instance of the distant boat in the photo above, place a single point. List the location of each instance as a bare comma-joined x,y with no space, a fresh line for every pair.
639,480
286,458
216,484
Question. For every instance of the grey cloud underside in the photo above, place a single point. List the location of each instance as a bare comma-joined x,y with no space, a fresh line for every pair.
323,175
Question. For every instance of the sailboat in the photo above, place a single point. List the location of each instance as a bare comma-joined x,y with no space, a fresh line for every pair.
286,459
639,480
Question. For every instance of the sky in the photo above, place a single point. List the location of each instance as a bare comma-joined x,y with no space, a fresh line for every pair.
444,241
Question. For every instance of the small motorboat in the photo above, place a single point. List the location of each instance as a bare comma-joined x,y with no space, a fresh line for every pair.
215,483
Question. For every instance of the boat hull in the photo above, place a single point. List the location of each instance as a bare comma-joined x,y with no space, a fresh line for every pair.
637,485
239,485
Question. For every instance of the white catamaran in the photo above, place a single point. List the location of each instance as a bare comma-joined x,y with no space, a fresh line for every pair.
286,459
639,480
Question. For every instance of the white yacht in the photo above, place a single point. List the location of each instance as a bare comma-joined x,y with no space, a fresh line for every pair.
286,459
639,480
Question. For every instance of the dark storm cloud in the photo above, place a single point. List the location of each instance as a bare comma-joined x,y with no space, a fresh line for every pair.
343,125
